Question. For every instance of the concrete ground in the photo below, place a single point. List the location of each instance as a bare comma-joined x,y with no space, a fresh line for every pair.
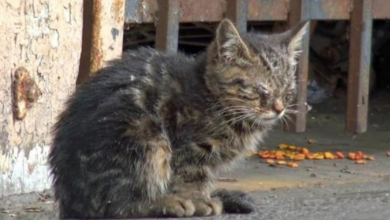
321,189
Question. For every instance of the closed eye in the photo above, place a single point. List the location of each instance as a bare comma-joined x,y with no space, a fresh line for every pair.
239,82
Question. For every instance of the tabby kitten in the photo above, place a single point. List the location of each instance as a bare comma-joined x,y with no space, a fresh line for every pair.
146,136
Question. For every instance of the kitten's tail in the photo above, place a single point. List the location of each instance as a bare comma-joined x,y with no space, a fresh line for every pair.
235,201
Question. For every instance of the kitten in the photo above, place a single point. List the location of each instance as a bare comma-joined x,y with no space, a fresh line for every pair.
146,136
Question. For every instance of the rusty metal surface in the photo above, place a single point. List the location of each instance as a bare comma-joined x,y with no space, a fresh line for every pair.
202,10
102,35
268,10
236,11
359,66
381,9
144,11
330,9
167,31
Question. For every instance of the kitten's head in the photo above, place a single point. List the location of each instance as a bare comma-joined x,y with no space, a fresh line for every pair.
253,75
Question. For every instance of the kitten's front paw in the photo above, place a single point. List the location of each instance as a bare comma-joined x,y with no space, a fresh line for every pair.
205,206
176,206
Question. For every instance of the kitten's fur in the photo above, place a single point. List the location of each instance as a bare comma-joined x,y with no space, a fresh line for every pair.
146,136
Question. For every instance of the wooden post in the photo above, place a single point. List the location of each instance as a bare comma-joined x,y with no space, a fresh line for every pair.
300,11
359,66
103,23
237,12
167,31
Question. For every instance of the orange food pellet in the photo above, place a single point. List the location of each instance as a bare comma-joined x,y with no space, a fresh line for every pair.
270,161
264,154
271,156
279,153
293,165
359,155
283,146
281,162
388,153
352,156
309,156
292,147
299,157
340,155
328,155
319,156
370,158
360,162
289,155
305,151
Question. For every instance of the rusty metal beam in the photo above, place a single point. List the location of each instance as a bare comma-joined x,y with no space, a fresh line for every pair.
299,11
359,66
237,12
143,11
102,40
167,31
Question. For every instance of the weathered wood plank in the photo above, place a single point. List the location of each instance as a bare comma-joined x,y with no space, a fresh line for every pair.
359,66
299,11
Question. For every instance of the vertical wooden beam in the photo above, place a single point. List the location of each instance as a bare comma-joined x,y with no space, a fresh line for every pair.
237,12
167,31
300,11
103,23
359,66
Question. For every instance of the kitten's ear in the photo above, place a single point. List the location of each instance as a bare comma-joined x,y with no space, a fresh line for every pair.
293,38
231,48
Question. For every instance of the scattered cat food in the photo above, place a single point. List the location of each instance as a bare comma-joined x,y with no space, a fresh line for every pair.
360,161
281,162
298,157
339,155
305,151
328,155
351,156
283,146
292,164
388,153
289,155
318,156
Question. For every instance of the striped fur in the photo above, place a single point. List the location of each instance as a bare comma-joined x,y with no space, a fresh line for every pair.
148,134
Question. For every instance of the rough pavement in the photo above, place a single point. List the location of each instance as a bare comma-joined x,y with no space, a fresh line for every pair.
352,201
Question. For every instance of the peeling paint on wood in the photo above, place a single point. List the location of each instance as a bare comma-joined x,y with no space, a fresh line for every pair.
23,173
45,38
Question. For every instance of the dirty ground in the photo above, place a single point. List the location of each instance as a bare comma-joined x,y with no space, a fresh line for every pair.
323,189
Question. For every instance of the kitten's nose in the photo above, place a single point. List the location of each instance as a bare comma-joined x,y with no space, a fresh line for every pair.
278,106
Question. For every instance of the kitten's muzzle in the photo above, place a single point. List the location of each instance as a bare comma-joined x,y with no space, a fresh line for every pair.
278,106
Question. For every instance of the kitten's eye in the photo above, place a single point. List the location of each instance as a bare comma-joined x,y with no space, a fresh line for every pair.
288,97
239,82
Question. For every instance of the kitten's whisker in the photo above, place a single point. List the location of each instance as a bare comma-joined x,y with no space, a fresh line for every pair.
285,122
238,119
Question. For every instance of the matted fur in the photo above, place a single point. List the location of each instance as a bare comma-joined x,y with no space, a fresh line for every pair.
147,135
